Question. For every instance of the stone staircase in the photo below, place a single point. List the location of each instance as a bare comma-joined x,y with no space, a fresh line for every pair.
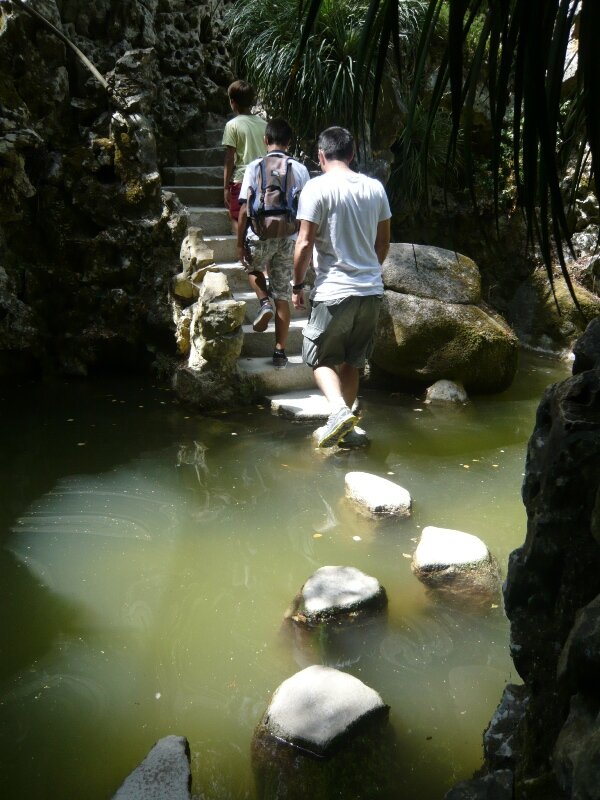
198,182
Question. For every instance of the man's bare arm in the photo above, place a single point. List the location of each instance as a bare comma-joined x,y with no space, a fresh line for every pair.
382,240
302,255
228,172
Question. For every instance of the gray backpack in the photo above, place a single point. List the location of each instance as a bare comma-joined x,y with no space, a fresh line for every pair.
273,197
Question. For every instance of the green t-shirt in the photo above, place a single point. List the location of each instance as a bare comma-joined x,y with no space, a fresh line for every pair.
246,133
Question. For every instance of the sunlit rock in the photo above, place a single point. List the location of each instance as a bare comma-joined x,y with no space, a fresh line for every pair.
183,288
163,775
456,564
337,593
325,734
444,391
377,497
196,255
431,272
318,706
546,317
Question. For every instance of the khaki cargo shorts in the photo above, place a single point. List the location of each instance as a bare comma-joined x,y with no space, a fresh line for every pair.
276,258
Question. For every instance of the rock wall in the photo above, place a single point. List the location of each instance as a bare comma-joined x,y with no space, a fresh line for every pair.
547,733
88,240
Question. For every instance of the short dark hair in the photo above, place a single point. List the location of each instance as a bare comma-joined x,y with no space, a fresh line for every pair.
336,144
242,94
278,131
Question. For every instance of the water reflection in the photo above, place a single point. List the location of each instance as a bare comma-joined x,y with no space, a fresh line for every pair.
144,585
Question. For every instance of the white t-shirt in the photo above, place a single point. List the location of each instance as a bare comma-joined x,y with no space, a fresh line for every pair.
347,208
299,171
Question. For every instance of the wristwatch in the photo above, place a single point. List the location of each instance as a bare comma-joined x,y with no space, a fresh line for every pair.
297,287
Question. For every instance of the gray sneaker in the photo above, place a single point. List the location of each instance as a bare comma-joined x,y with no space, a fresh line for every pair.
337,426
264,316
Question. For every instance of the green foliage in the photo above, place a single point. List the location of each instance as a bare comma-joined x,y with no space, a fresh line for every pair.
519,49
320,83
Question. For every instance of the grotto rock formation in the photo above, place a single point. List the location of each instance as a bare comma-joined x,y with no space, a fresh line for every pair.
552,597
88,240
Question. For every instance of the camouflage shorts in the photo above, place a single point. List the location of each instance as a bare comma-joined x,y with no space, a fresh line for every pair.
276,258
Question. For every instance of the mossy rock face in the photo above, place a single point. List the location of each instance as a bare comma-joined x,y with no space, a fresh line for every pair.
540,323
425,340
431,272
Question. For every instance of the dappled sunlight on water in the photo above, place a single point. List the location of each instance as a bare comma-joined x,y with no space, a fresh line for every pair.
149,554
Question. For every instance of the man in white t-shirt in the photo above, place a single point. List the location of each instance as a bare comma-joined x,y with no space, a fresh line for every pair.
273,256
345,217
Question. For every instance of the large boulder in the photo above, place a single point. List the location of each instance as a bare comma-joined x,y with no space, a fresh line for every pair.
548,319
433,324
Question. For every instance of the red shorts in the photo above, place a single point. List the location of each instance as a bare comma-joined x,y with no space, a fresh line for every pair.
234,203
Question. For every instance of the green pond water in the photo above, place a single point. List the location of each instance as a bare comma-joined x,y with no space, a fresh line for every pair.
148,554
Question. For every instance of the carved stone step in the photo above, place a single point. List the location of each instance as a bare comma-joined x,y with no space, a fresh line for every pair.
193,176
212,220
261,344
201,157
268,380
197,195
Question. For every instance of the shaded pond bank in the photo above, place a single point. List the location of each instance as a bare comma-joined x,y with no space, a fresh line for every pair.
148,555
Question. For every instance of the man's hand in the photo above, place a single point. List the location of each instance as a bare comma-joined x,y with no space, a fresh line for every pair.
298,299
243,253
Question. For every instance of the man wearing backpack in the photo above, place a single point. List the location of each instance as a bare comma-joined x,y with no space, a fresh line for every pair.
345,217
267,230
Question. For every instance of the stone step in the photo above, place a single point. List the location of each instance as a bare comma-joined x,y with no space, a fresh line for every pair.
201,157
268,380
261,344
212,219
197,195
236,277
194,176
224,247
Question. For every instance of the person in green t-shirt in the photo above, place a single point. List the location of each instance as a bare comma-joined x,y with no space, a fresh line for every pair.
243,140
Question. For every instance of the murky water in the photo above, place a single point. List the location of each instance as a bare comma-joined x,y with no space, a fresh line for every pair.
148,555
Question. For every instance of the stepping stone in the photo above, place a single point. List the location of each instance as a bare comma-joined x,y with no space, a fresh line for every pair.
163,775
318,706
456,562
377,497
301,405
337,593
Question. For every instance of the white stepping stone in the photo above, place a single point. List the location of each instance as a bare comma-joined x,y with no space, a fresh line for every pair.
319,705
337,591
163,775
301,405
440,548
456,563
377,496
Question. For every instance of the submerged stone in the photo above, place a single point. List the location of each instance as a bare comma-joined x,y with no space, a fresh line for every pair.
377,496
163,775
444,391
318,706
337,592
